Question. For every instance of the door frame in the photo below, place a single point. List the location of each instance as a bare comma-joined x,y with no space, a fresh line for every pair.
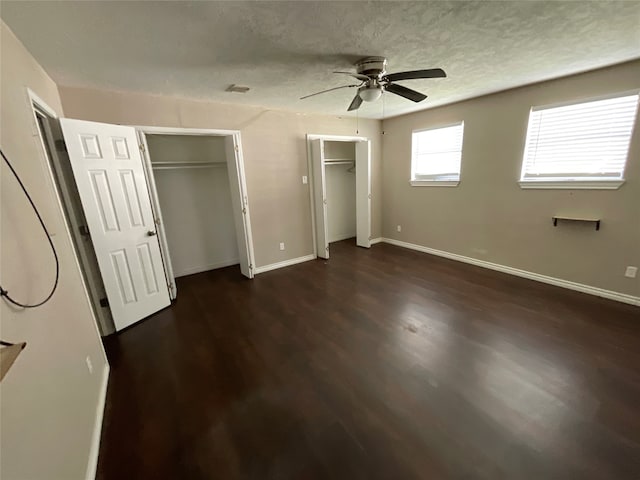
238,159
102,320
331,138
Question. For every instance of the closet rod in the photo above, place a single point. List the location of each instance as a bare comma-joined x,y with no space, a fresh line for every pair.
340,162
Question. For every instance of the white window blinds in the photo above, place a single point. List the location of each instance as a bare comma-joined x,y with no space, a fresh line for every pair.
584,141
437,153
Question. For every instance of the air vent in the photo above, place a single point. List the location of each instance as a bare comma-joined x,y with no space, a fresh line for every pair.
237,88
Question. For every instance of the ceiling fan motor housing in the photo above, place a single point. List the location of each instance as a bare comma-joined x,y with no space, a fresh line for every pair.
372,66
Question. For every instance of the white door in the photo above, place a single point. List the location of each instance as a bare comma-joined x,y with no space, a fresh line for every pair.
320,198
240,205
363,193
108,171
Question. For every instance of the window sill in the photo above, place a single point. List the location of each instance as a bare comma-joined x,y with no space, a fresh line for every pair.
434,183
571,185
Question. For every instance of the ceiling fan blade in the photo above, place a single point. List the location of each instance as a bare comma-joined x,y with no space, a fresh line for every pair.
359,76
355,103
431,73
328,90
405,92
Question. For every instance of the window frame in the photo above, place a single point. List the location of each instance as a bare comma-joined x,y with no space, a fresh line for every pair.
433,180
575,182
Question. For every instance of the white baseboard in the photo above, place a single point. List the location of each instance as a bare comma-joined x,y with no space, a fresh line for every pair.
376,240
285,263
344,236
205,268
94,452
579,287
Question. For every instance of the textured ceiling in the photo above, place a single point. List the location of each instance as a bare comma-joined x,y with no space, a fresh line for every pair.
284,50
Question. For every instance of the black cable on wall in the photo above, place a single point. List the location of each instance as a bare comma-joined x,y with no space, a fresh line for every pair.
3,292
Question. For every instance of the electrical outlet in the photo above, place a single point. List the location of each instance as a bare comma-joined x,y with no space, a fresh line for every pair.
305,180
631,272
89,364
281,245
399,228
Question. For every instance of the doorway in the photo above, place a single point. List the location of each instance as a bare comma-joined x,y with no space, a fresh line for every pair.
198,190
341,190
52,141
194,194
104,180
340,178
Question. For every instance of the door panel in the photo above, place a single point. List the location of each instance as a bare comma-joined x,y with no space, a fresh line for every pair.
240,205
108,171
320,197
51,132
363,194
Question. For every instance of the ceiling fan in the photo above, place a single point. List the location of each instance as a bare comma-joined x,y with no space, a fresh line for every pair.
372,73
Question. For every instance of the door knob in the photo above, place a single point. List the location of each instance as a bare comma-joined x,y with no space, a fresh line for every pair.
151,233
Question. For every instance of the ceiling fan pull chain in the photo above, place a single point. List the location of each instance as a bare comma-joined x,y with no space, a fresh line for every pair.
383,113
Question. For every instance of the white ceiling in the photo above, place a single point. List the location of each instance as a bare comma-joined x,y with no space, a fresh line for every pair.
284,50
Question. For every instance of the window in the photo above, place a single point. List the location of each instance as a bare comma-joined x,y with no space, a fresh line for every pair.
436,155
582,145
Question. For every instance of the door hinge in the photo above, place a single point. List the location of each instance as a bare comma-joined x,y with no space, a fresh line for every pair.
141,146
327,248
244,210
60,145
84,230
104,302
369,196
251,266
236,148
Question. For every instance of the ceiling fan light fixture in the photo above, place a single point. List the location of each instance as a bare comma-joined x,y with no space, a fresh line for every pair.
374,81
370,94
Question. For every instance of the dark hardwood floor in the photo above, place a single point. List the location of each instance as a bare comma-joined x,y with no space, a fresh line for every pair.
378,364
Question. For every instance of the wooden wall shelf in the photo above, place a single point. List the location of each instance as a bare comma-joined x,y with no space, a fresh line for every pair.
555,219
8,354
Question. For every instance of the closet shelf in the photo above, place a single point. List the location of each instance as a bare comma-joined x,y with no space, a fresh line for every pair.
177,165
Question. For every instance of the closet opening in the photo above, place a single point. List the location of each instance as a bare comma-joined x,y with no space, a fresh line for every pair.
340,177
198,192
341,190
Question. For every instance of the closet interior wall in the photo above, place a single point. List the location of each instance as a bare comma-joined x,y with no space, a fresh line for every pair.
193,189
340,181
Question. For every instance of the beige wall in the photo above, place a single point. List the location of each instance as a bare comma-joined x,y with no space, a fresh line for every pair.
488,216
275,155
48,399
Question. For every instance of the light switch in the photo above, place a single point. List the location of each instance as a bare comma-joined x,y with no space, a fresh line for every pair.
281,245
304,179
